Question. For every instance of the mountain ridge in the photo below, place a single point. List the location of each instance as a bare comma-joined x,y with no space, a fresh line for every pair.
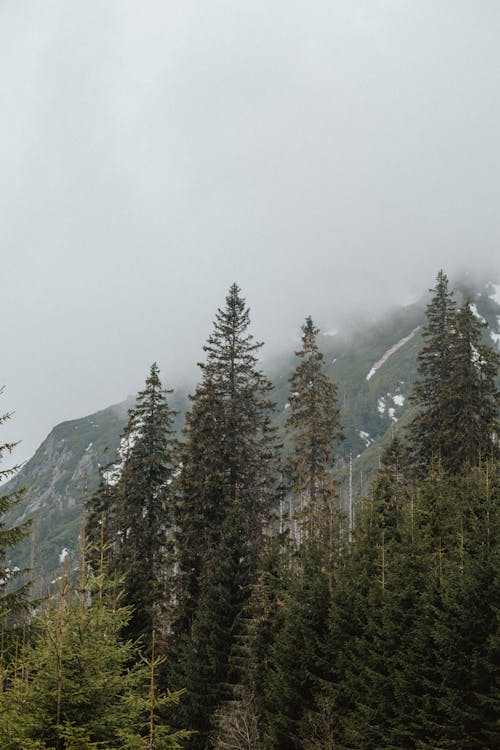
374,370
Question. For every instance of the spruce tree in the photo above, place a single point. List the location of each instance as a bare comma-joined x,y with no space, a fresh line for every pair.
13,600
203,666
313,423
136,508
228,454
313,428
470,422
290,675
434,372
375,599
77,684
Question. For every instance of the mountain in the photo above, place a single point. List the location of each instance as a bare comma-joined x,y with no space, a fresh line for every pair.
374,366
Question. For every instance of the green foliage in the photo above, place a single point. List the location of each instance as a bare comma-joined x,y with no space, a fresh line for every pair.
228,454
136,508
313,422
434,366
470,419
457,399
292,665
203,666
76,685
13,600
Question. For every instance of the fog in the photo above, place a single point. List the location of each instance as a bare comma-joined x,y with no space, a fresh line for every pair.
329,156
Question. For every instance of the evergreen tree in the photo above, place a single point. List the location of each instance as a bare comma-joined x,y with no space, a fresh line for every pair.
228,455
74,685
471,423
313,423
239,719
463,707
204,666
12,600
376,596
457,419
135,504
292,669
434,372
291,672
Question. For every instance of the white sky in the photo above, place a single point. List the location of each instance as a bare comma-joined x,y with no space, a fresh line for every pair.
327,155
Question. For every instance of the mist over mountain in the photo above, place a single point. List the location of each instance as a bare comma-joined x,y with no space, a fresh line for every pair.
373,363
330,158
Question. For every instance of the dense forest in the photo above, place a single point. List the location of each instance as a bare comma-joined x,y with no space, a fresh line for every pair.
203,616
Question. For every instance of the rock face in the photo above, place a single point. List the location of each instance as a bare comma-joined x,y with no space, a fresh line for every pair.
56,480
64,470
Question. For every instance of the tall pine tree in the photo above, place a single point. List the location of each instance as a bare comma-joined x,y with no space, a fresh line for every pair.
12,599
135,504
470,421
228,454
313,423
434,371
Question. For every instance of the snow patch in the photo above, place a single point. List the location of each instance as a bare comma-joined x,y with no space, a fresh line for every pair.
89,446
365,437
63,555
112,476
382,404
476,312
287,405
383,359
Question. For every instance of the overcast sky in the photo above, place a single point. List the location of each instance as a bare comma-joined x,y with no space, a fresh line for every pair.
327,155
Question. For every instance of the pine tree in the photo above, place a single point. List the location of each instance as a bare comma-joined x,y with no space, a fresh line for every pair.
471,423
203,666
12,600
228,454
239,718
77,685
464,624
376,595
457,419
434,372
136,508
291,672
313,422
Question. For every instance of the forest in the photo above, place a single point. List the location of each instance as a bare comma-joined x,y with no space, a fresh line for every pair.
202,615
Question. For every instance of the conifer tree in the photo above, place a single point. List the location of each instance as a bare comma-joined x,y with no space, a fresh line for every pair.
375,599
228,454
290,675
313,422
434,373
292,670
77,684
471,423
12,600
203,666
136,507
457,420
238,720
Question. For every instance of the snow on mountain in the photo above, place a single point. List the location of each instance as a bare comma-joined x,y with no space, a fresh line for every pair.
390,352
476,312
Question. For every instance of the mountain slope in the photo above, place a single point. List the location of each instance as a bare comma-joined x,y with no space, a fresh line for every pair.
374,368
